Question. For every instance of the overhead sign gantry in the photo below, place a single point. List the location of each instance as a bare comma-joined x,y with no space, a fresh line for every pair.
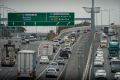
41,19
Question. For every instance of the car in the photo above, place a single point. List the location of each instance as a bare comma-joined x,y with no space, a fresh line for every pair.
73,39
54,65
103,43
61,41
100,74
60,61
44,59
99,55
27,40
56,43
23,41
85,31
64,53
99,58
68,49
67,44
115,65
98,63
99,52
51,72
99,49
117,76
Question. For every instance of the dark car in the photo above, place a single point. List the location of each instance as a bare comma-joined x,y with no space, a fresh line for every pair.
65,54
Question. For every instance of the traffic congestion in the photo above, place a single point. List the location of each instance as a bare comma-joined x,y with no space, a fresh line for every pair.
59,40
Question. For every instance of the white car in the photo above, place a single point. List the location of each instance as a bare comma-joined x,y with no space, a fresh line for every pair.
56,43
54,65
99,58
68,49
99,55
44,59
67,44
99,52
100,74
60,61
117,76
51,72
99,49
98,63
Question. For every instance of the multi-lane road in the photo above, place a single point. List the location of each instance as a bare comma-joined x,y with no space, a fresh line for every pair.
73,68
106,67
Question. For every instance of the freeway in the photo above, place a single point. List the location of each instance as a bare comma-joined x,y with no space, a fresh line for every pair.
7,73
106,67
77,61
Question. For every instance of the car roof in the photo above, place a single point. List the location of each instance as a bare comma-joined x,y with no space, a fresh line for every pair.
117,73
27,51
51,68
100,70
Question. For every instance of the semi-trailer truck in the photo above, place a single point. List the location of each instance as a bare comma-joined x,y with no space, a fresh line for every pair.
8,55
26,64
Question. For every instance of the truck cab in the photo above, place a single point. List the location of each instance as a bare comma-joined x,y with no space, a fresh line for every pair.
113,48
8,57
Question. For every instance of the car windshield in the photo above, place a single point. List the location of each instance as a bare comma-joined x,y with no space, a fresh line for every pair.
51,69
101,71
60,59
44,57
115,62
54,64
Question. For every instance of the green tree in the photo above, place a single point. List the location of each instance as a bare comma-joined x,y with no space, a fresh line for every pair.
21,29
51,35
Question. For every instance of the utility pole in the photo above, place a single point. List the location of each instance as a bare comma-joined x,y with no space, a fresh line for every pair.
109,17
92,20
101,18
93,31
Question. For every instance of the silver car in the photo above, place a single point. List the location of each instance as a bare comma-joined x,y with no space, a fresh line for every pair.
100,74
54,65
44,59
60,61
51,72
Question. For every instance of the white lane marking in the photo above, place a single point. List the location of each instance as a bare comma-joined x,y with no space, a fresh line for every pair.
62,71
88,63
48,65
68,60
54,59
90,72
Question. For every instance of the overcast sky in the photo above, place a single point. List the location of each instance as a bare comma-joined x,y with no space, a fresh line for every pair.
68,6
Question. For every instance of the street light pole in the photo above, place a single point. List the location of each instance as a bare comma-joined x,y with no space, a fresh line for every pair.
109,17
101,18
93,31
92,20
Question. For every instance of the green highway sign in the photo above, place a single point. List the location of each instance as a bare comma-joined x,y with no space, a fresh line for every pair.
41,19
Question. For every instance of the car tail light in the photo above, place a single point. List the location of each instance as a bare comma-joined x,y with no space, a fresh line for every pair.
31,74
18,73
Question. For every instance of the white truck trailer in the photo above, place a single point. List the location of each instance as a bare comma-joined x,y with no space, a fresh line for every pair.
26,64
46,50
